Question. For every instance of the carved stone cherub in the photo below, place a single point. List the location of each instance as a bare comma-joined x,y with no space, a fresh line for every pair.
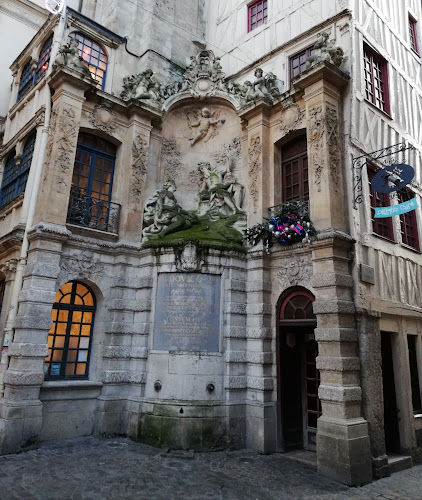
69,56
206,123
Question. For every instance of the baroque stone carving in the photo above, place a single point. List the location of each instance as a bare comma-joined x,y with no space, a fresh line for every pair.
334,145
325,50
204,75
205,124
263,87
66,143
81,265
327,124
139,167
162,214
69,56
189,260
316,133
220,193
254,153
103,118
170,158
291,117
8,269
203,78
142,86
50,143
229,154
295,271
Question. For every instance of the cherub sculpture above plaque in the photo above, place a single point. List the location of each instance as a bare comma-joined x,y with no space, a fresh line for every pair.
205,124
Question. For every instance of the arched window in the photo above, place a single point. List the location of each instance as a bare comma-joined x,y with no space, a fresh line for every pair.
16,173
95,57
29,76
294,169
297,308
70,335
92,182
44,58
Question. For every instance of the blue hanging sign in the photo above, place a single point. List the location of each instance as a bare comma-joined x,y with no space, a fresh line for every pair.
392,178
402,208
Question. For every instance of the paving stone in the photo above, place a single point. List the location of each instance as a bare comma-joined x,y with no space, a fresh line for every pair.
113,469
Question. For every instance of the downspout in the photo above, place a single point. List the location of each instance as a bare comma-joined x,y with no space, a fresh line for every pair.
38,167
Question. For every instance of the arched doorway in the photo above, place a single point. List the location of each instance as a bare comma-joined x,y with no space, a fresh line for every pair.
299,406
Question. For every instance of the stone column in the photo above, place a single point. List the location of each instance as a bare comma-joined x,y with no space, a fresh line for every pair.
21,409
260,411
343,445
66,112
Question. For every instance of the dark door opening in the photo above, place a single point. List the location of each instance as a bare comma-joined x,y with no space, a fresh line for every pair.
391,421
299,406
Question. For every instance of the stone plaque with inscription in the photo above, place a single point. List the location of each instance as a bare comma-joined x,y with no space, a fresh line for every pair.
187,312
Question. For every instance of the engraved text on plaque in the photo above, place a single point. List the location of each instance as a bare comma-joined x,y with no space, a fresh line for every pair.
187,312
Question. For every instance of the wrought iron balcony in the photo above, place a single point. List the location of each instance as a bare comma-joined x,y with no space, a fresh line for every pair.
295,206
92,212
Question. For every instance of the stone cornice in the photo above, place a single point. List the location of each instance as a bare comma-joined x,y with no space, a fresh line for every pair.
322,71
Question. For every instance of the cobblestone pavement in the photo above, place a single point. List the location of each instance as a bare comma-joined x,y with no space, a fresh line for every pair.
89,468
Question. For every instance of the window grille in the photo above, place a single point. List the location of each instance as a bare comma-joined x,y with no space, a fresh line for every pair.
413,34
376,80
30,75
94,57
44,58
298,62
408,222
70,335
381,226
294,168
257,14
16,173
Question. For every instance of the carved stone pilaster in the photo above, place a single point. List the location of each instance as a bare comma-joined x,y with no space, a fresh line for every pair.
255,165
138,167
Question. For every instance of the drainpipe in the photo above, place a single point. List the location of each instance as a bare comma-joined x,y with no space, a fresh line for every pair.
38,167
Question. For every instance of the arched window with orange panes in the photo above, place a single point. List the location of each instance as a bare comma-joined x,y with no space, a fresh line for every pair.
70,335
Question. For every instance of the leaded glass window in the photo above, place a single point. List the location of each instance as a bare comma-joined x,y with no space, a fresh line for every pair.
70,335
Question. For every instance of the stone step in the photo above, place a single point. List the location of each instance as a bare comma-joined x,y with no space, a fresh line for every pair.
398,463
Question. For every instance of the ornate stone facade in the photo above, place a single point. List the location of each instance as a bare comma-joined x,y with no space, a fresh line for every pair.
176,163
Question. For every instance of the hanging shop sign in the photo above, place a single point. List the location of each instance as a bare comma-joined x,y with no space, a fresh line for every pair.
392,178
400,209
389,156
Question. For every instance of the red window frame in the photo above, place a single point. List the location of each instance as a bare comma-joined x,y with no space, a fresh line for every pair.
408,222
413,34
257,14
297,62
294,170
376,79
382,226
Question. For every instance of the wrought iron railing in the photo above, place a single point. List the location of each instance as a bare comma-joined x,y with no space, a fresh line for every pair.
92,212
295,206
